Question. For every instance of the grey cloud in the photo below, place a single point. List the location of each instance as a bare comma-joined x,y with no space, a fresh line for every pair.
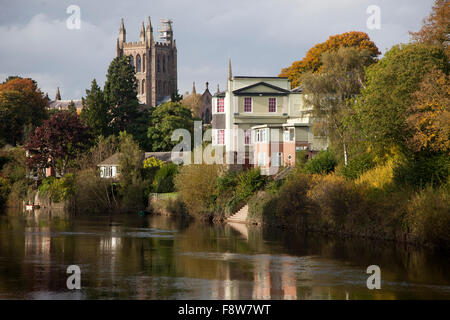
260,36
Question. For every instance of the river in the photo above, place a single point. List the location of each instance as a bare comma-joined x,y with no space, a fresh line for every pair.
154,257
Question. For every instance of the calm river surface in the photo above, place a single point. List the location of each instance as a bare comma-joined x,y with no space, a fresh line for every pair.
133,257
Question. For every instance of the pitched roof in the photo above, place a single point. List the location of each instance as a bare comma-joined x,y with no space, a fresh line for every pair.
111,161
64,104
264,84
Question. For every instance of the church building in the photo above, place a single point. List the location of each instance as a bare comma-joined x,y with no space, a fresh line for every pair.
155,62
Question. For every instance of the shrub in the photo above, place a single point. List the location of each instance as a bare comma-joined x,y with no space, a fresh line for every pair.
380,177
248,182
357,166
94,194
163,181
197,187
423,169
133,196
58,189
5,189
323,163
335,199
428,216
262,208
293,204
152,162
168,207
227,182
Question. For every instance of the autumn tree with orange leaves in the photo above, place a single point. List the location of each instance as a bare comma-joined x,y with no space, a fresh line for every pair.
312,60
22,106
429,118
436,27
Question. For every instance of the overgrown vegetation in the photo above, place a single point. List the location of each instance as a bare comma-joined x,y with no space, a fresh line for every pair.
58,189
367,206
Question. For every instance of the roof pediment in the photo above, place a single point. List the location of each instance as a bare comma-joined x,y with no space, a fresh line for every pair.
261,88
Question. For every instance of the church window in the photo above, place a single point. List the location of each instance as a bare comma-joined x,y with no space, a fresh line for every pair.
207,116
143,63
157,63
138,63
138,86
132,61
164,64
143,86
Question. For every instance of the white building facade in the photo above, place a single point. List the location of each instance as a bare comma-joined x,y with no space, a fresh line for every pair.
260,121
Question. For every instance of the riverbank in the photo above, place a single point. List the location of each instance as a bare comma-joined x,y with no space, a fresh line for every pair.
372,206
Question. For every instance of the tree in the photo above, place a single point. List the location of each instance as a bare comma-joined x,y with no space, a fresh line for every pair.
176,97
71,107
57,142
95,112
139,127
332,93
131,181
22,106
103,149
194,102
429,119
164,120
120,94
436,27
387,95
129,160
312,60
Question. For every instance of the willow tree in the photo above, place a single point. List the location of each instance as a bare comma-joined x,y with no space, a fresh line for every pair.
333,91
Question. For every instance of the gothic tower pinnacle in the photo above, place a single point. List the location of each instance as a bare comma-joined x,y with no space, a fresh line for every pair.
149,32
142,35
58,94
122,33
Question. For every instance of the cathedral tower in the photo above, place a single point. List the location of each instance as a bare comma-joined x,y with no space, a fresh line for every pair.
155,62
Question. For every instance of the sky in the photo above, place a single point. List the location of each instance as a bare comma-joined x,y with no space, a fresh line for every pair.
260,36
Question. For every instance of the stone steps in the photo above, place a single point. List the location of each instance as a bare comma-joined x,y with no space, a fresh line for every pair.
240,216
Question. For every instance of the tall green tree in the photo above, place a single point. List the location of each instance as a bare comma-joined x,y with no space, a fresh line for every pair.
388,92
164,120
95,112
332,92
120,93
130,160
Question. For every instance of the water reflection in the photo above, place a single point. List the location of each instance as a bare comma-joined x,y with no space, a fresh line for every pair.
135,257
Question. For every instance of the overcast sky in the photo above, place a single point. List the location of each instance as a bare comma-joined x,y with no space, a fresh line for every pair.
260,36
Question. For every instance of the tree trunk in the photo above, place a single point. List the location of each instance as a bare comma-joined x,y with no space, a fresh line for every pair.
345,154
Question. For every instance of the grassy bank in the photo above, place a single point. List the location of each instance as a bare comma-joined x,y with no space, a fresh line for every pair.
362,207
371,205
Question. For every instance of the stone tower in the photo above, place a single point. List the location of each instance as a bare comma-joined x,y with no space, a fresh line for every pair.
155,62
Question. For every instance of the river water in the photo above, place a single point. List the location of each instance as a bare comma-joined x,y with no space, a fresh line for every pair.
153,257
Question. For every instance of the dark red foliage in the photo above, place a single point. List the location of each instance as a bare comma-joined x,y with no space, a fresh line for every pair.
57,141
